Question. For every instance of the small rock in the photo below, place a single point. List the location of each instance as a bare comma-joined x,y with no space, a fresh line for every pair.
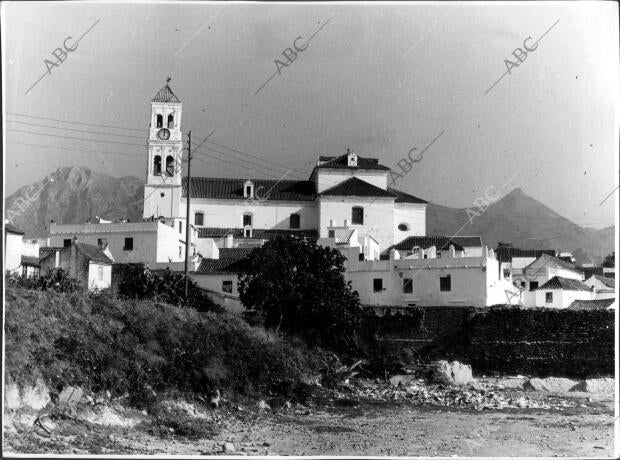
215,399
262,405
551,384
228,447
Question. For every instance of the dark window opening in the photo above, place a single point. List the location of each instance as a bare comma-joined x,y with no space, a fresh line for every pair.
160,121
533,285
247,220
66,243
157,165
169,166
357,215
180,227
377,285
408,285
247,233
295,221
199,218
227,286
248,191
331,233
549,297
170,121
99,242
361,256
445,283
403,227
128,244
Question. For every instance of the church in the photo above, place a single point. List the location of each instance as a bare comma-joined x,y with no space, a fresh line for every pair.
342,193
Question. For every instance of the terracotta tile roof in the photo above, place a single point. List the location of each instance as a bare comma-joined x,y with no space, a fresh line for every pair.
546,260
506,253
566,284
356,187
215,266
93,253
609,282
467,241
30,260
342,235
589,271
402,197
232,189
342,162
234,253
425,242
599,304
261,234
165,95
10,228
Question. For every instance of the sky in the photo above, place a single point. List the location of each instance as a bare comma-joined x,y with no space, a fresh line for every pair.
380,79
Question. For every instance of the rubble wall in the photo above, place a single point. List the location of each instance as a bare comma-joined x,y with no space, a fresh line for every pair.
534,341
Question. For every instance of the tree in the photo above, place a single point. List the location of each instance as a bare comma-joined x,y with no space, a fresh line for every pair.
610,260
299,287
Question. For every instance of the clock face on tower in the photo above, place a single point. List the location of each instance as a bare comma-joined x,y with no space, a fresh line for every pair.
163,134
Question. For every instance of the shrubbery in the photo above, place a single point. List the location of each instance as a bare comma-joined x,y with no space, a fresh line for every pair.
102,343
55,279
299,287
138,281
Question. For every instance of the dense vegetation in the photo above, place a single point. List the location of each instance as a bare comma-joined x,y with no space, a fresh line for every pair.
299,287
56,279
100,343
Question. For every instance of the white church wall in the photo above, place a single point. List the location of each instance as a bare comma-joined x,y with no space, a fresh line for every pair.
265,214
327,178
413,215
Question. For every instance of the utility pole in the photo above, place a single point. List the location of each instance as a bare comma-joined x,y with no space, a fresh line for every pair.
187,234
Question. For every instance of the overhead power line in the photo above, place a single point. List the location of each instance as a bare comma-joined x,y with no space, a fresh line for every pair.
77,122
76,130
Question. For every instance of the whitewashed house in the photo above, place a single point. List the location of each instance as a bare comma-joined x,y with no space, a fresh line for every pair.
560,292
603,287
21,256
90,264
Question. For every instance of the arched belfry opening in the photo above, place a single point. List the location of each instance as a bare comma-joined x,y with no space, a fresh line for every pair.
157,165
169,166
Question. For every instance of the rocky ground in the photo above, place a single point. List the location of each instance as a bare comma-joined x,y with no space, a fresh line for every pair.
494,417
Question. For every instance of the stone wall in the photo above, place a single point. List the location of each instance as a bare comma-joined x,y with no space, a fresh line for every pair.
536,341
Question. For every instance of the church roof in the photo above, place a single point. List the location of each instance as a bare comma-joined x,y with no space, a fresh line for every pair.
402,197
257,233
232,189
342,162
165,95
357,187
425,242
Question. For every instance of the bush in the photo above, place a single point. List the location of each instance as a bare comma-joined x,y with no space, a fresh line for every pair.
138,281
299,287
103,343
55,279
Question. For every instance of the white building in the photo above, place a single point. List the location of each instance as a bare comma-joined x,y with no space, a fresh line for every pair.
603,287
560,292
129,242
21,256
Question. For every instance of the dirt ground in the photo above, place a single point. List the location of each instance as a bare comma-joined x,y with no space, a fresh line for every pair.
583,428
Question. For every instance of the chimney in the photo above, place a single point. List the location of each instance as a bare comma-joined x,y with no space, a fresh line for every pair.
228,243
331,222
346,223
75,240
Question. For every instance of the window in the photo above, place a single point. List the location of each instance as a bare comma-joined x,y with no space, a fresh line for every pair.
180,227
357,215
66,243
247,233
295,221
199,218
227,286
548,297
128,244
247,220
248,191
533,285
99,242
331,233
403,227
407,285
445,283
438,253
523,284
160,121
377,285
157,166
170,121
180,251
100,272
169,166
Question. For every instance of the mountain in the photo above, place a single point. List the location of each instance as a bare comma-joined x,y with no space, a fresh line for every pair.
74,195
524,222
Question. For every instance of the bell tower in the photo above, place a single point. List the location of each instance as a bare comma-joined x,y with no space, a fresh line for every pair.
164,167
